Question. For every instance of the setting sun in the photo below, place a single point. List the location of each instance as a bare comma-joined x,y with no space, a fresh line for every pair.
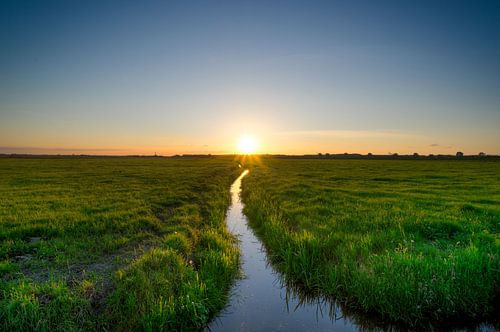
247,145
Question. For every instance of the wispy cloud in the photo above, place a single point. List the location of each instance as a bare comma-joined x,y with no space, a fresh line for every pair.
436,145
347,134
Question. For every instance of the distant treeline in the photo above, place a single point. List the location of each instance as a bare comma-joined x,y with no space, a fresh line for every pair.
387,157
26,155
395,156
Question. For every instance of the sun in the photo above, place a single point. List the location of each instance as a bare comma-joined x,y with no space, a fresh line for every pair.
247,145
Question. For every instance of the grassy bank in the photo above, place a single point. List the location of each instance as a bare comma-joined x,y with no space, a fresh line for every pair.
114,243
412,241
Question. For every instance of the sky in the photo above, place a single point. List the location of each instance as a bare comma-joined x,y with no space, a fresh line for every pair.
178,77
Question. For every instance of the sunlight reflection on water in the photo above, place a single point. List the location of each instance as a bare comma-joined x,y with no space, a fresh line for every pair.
260,301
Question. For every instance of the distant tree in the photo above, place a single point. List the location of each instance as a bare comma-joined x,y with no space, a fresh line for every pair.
320,154
415,154
369,154
482,154
395,154
459,154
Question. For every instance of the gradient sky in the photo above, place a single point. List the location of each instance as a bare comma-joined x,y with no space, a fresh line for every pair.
117,77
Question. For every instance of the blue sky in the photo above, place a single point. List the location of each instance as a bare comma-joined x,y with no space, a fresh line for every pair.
301,76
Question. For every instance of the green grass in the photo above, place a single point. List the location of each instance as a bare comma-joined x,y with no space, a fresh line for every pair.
411,241
114,243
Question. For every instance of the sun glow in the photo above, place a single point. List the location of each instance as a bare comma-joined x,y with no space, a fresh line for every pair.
247,145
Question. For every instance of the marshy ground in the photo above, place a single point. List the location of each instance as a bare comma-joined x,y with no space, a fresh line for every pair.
114,243
413,242
141,243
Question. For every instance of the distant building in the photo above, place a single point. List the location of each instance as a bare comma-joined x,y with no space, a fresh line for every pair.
460,154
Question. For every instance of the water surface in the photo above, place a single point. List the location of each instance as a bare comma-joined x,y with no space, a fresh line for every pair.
259,301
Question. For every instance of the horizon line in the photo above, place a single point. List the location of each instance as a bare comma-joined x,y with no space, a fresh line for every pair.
317,155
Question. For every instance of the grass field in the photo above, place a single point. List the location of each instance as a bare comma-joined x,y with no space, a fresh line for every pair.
141,244
114,243
411,241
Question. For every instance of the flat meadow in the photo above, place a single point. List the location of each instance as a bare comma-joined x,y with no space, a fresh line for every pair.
413,242
114,243
129,243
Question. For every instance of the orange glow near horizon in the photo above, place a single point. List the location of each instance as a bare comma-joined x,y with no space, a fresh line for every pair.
260,140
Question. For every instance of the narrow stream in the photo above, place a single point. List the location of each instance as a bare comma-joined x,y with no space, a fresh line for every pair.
259,301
